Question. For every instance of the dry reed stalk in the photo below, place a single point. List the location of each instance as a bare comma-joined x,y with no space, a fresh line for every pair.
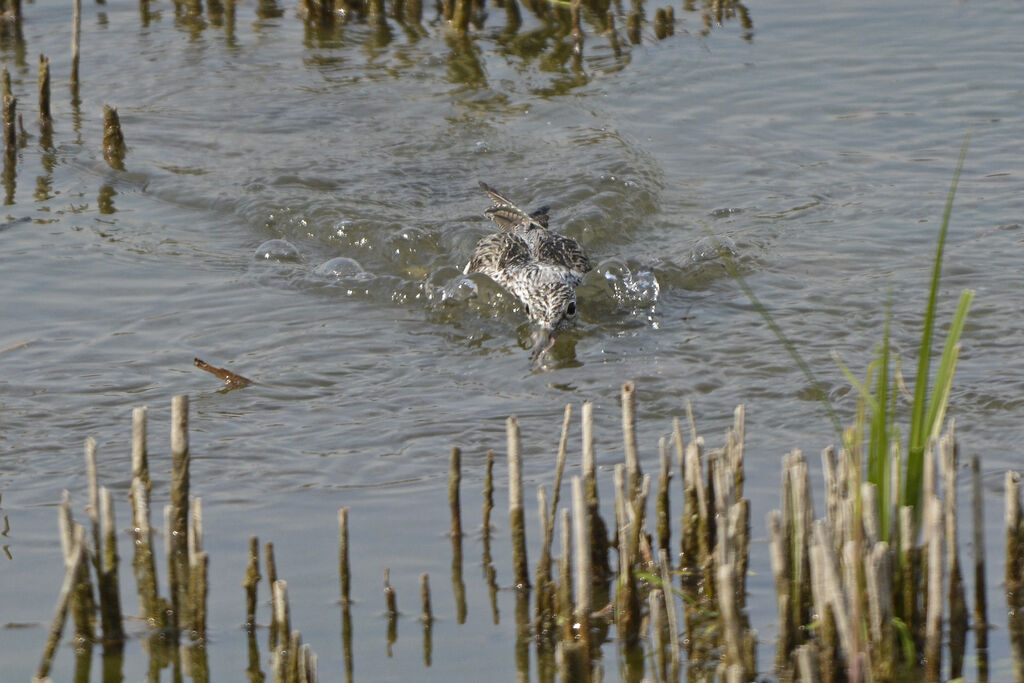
807,663
629,437
199,566
542,580
584,597
109,587
980,612
601,571
250,583
1014,577
144,561
948,452
140,460
344,574
627,605
75,560
391,603
909,564
94,499
488,494
83,602
454,479
177,532
878,584
828,568
76,31
933,607
779,544
44,91
427,617
670,611
517,524
268,559
563,592
282,618
656,611
662,500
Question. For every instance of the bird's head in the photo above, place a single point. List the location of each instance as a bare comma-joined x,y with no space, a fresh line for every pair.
553,308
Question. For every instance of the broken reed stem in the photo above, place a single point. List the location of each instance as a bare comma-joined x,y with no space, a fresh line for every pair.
44,90
488,500
199,565
662,501
76,30
454,479
581,536
344,574
670,611
178,564
629,437
282,618
980,612
268,559
563,594
517,524
948,451
933,608
109,587
94,498
75,561
427,615
559,469
250,583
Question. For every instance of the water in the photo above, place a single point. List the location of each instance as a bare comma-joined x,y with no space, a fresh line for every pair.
817,149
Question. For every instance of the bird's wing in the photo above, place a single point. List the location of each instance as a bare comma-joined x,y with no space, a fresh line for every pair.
563,251
496,254
507,215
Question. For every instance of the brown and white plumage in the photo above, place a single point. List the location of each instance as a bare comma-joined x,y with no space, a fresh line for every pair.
540,267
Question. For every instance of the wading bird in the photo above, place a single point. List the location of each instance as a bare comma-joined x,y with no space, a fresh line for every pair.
539,267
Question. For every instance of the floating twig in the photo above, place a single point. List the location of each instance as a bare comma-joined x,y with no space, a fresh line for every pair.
232,379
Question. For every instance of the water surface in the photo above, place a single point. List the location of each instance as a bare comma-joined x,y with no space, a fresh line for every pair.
818,145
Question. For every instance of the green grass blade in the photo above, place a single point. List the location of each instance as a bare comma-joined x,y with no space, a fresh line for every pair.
735,274
947,367
918,427
879,470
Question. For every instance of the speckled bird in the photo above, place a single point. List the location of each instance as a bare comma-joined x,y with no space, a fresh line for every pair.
541,268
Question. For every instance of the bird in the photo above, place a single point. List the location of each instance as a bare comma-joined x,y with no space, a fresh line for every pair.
538,266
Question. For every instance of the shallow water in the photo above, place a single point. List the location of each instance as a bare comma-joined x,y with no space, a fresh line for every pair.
818,148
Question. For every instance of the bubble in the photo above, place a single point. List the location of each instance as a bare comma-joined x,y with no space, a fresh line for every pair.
460,288
412,247
709,248
342,268
639,287
278,250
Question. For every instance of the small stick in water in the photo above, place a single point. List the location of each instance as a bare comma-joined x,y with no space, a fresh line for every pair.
250,582
60,614
517,523
233,380
343,567
44,91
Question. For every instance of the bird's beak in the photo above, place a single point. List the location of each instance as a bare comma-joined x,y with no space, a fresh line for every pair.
543,340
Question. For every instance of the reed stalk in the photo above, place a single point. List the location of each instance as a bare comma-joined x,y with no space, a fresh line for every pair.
517,523
250,583
344,573
109,586
45,117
